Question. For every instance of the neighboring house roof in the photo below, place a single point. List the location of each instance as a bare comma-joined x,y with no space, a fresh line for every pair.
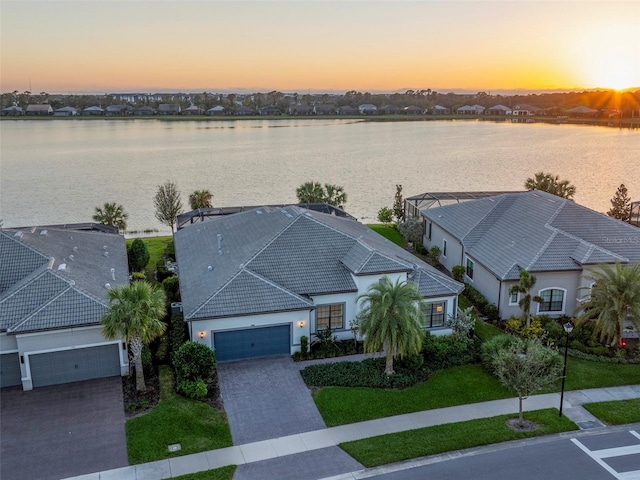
93,109
526,107
274,259
13,108
217,108
51,279
169,107
536,231
39,108
581,109
499,108
66,110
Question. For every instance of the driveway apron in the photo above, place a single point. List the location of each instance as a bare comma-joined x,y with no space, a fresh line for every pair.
62,431
266,398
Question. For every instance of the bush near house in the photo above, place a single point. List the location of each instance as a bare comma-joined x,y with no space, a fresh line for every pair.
488,310
194,364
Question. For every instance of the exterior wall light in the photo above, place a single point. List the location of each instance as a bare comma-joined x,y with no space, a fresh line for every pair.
301,323
201,334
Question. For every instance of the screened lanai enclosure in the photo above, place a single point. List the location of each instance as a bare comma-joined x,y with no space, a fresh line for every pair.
413,205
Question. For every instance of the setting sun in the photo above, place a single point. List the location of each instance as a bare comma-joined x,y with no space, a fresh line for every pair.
609,57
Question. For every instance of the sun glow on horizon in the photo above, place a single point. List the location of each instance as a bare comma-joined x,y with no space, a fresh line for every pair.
608,57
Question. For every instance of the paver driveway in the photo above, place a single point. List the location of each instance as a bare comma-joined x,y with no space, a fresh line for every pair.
266,398
62,431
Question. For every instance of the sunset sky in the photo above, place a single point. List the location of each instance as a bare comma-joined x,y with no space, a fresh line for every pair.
147,46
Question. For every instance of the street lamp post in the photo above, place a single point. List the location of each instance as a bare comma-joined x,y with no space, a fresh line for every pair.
568,327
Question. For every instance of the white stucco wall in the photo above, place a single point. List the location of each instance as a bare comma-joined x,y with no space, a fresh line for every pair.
454,247
484,281
251,321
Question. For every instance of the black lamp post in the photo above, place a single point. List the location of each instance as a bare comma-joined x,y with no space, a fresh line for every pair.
568,327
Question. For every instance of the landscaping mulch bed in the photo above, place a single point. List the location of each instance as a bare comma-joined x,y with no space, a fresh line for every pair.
138,403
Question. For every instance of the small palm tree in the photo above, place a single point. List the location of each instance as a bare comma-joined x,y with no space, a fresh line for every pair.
134,314
200,199
552,184
615,296
112,214
392,319
335,195
527,282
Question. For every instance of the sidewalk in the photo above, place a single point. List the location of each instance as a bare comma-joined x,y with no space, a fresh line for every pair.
329,437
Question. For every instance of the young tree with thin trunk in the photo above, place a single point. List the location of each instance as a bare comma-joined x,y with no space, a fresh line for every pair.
135,313
168,204
392,319
525,366
523,288
112,214
398,205
620,204
614,298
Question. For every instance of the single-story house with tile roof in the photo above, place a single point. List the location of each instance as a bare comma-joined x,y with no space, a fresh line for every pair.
440,110
94,110
65,112
324,109
524,109
11,111
39,109
118,110
367,109
193,110
582,111
53,294
144,110
557,240
217,110
498,110
253,283
169,109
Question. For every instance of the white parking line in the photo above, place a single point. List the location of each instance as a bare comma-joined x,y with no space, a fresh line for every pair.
598,455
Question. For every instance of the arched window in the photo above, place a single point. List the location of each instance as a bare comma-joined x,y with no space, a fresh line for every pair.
553,300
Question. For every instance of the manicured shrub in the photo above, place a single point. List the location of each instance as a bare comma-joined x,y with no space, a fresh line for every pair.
194,361
196,390
138,255
367,373
138,277
491,348
304,344
147,361
177,331
434,255
385,215
447,351
457,272
171,286
161,271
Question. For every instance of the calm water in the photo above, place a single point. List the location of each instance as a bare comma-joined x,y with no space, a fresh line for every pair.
58,171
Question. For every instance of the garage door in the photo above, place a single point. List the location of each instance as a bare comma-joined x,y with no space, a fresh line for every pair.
252,343
10,370
74,365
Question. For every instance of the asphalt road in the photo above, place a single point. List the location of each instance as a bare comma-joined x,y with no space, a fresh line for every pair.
597,456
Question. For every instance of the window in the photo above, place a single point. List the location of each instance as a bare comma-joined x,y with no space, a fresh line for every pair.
444,248
469,268
553,300
435,314
429,234
330,316
513,298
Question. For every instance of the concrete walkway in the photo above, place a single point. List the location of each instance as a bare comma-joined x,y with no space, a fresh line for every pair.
331,437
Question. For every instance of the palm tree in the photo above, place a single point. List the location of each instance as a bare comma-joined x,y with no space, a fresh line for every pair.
200,199
134,314
392,319
335,195
527,282
615,296
552,184
112,214
310,192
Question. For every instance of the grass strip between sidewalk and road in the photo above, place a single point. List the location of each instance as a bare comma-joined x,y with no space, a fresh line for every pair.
222,473
453,386
396,447
196,426
616,412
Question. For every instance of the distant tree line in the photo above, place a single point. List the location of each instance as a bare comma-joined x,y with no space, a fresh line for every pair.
423,99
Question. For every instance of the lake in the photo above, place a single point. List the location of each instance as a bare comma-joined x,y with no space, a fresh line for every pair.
58,171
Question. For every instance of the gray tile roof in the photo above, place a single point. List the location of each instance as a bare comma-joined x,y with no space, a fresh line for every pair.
272,259
536,231
57,278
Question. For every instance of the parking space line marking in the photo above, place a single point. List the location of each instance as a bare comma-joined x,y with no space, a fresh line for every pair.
635,434
616,452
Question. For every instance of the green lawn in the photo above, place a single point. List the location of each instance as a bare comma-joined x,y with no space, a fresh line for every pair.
453,386
389,232
194,425
616,412
586,374
156,246
396,447
223,473
485,331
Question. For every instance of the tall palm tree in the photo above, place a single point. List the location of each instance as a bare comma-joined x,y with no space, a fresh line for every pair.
200,199
112,214
615,296
527,282
134,314
552,184
392,319
310,192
